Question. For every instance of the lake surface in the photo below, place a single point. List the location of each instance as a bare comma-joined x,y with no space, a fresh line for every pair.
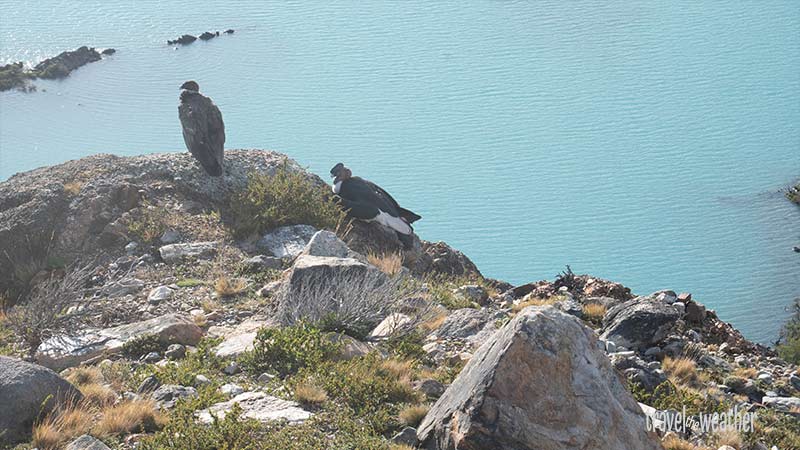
645,142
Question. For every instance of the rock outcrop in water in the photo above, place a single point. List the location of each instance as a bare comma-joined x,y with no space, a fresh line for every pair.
15,76
181,312
187,39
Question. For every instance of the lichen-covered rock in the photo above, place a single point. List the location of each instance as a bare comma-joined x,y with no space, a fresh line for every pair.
639,323
28,391
174,253
540,383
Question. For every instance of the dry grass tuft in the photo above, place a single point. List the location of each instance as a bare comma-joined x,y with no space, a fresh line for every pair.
73,187
535,301
310,394
435,322
402,370
98,394
681,371
130,417
413,415
672,442
594,311
745,372
389,263
227,287
728,437
80,376
62,425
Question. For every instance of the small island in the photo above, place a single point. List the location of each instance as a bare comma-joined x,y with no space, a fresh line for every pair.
16,76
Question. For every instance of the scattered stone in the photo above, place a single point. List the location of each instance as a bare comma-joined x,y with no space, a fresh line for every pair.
463,323
232,368
122,287
201,380
638,323
61,352
288,241
263,262
151,357
680,307
148,385
349,347
173,253
237,340
430,387
265,378
389,325
473,293
637,370
567,381
26,391
166,396
131,247
231,389
159,294
229,31
170,237
326,243
175,351
684,297
782,403
765,378
269,289
406,436
794,380
86,442
695,312
258,406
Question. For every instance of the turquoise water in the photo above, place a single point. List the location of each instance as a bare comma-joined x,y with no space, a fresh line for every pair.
646,142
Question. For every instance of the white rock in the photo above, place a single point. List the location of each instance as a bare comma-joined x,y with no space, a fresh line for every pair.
288,241
176,252
389,325
258,406
159,294
231,389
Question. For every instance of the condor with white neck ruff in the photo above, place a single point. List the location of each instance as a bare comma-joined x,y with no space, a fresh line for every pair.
367,201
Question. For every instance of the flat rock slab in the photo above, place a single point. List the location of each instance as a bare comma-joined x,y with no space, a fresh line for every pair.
67,351
26,390
237,340
541,383
258,406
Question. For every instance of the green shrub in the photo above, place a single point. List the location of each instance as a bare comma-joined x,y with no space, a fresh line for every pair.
366,386
190,282
789,349
287,350
669,396
203,361
406,346
141,345
148,223
183,432
289,197
775,428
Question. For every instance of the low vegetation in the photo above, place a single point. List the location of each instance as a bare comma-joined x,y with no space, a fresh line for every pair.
284,351
789,348
288,197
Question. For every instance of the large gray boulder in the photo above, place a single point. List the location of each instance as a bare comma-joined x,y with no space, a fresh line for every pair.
26,391
639,323
540,383
61,352
463,323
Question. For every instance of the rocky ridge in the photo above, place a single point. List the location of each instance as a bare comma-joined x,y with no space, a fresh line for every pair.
176,297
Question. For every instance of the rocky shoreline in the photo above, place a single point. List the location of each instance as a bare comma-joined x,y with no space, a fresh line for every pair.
183,319
16,76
